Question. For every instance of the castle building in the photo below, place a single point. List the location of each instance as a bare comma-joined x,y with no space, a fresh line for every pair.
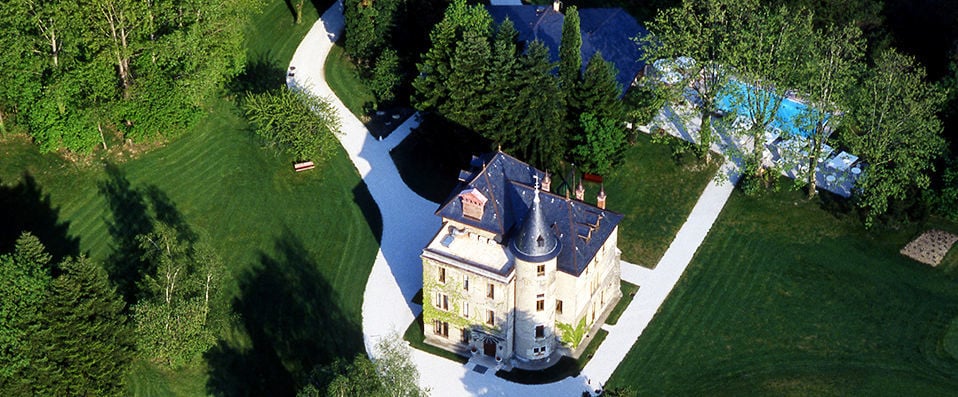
516,272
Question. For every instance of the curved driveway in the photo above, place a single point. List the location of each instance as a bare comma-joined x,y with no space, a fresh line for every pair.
409,223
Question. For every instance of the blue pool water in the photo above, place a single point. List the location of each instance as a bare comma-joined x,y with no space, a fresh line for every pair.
786,119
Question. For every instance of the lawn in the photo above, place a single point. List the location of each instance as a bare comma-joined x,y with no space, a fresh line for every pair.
655,192
299,245
344,80
786,298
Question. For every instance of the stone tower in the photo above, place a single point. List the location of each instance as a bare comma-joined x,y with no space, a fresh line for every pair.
535,247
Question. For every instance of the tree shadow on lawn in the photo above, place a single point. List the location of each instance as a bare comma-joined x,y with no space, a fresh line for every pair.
261,74
133,212
294,322
24,207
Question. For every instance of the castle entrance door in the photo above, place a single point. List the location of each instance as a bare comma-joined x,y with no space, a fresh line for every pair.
489,348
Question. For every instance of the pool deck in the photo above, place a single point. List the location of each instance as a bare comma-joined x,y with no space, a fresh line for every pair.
683,121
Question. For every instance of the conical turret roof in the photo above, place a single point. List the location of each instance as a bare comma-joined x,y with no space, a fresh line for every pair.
535,240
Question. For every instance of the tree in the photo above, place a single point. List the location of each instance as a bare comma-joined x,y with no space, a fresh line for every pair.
431,90
836,60
390,374
599,91
386,77
296,121
601,145
503,120
570,55
469,99
85,70
25,279
702,30
85,338
182,310
895,131
540,140
768,54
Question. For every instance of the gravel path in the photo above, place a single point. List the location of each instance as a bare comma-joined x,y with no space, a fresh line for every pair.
409,223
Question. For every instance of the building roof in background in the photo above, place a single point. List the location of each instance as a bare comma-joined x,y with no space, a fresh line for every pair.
509,186
609,30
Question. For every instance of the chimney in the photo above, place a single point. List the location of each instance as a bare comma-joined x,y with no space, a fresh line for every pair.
600,200
580,191
547,183
556,5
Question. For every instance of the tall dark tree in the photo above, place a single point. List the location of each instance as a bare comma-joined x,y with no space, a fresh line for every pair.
503,82
369,25
599,91
85,339
541,139
25,279
431,90
570,55
469,99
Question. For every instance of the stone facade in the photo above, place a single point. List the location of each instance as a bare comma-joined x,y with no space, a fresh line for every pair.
506,278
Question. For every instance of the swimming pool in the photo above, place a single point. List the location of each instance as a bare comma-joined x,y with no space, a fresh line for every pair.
787,119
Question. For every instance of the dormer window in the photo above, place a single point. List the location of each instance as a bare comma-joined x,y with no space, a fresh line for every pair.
541,242
473,203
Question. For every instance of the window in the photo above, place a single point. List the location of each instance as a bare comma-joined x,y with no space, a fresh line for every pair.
441,328
442,301
442,275
465,309
464,335
540,331
465,283
539,350
491,318
558,306
540,302
491,291
541,270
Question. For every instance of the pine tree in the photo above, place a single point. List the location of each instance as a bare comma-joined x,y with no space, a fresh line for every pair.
469,97
570,55
540,139
85,340
431,90
24,280
503,117
599,91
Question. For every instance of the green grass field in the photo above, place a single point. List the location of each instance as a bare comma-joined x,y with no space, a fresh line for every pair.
299,245
343,79
785,298
655,193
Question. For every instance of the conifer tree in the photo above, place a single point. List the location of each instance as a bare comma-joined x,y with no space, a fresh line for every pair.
85,339
469,97
599,91
570,55
540,139
503,117
431,90
24,280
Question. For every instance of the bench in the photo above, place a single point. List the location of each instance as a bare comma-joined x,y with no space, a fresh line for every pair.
592,177
306,165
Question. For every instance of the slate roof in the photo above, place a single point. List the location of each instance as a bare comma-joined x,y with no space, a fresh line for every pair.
609,30
581,228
